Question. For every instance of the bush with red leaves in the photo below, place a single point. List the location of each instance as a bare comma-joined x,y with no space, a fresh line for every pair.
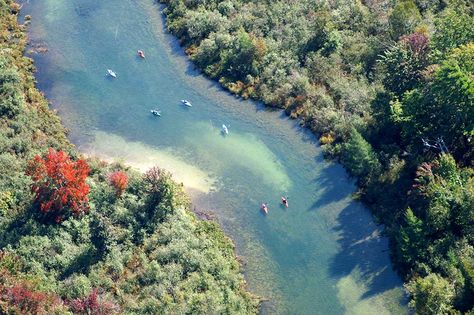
119,180
59,184
92,304
418,43
19,297
25,300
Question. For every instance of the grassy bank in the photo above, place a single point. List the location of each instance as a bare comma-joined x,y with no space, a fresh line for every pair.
121,241
388,87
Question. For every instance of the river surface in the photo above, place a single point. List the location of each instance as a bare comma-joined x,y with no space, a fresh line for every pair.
322,255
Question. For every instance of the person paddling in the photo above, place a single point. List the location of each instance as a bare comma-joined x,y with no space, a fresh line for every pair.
264,208
284,201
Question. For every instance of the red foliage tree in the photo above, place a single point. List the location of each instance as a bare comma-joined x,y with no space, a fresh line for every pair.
92,304
18,296
418,43
119,180
25,300
59,184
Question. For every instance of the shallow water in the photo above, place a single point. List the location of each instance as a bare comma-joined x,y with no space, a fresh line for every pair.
322,255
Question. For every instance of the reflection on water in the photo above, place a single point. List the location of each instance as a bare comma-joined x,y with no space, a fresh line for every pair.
322,255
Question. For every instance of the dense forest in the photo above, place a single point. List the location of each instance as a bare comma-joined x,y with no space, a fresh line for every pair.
389,88
85,237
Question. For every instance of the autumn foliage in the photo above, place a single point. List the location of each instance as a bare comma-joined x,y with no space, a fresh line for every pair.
18,296
92,304
25,300
59,184
119,180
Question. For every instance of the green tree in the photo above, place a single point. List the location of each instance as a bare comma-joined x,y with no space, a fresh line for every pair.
199,24
242,59
359,157
11,99
333,43
321,27
404,18
441,193
411,240
208,54
431,295
441,187
464,211
467,269
403,63
453,28
445,107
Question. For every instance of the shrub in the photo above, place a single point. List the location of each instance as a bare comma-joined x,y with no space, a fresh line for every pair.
92,304
119,181
18,296
327,138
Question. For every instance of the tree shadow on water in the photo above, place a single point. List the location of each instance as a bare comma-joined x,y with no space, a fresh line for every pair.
362,247
332,185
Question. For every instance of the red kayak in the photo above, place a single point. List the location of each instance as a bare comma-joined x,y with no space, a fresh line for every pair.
284,201
264,208
141,54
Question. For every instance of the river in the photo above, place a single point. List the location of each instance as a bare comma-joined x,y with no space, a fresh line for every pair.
321,255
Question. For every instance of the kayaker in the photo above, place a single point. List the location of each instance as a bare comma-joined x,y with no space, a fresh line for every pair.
264,208
284,201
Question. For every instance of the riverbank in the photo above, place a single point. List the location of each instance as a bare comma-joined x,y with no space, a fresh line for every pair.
113,257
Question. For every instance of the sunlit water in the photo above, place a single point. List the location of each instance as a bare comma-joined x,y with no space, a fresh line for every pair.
322,255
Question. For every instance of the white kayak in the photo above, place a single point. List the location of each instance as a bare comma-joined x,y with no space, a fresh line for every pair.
225,130
111,73
156,112
186,102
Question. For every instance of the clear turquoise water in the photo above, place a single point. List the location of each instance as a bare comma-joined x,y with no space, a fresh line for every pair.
322,255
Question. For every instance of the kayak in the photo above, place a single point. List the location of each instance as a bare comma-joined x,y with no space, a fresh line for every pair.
284,201
225,130
156,112
111,73
186,102
264,208
141,54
